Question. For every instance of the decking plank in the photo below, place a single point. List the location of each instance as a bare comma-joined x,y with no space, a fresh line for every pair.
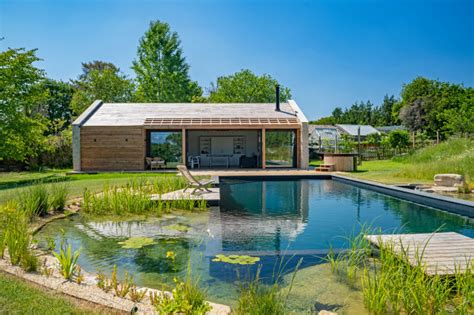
442,253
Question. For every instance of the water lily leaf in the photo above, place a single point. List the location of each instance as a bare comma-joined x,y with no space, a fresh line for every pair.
137,242
177,227
236,259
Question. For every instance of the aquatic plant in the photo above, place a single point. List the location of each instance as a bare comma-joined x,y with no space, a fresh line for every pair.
58,196
35,200
261,299
135,198
122,288
137,242
67,260
394,283
16,236
137,295
178,227
236,259
187,298
103,282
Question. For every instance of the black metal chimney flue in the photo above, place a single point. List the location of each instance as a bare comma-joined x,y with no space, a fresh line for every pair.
277,94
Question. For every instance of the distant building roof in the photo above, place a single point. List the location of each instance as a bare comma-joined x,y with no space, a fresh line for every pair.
387,129
352,130
323,132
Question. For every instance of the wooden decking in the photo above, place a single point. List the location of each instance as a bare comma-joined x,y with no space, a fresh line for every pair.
441,253
212,197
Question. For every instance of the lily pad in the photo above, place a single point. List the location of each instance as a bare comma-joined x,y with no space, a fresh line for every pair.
177,227
236,259
137,242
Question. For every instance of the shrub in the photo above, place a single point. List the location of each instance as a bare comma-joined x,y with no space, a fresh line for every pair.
58,196
67,260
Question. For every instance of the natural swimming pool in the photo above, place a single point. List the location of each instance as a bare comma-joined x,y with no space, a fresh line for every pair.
267,219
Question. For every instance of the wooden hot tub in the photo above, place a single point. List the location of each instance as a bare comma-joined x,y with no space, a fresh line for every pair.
344,162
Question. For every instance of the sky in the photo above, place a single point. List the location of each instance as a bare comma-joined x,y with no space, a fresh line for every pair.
328,52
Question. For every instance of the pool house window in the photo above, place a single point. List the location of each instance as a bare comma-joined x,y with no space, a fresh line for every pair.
166,146
280,149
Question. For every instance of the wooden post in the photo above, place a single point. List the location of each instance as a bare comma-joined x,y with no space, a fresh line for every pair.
414,135
183,146
298,148
264,148
437,136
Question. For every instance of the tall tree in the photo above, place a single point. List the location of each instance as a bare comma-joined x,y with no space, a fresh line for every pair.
100,80
246,87
385,111
161,69
21,127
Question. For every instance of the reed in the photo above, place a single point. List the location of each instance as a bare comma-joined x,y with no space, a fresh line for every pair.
134,198
16,237
35,200
58,196
259,299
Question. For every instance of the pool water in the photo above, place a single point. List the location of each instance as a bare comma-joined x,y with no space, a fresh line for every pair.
273,220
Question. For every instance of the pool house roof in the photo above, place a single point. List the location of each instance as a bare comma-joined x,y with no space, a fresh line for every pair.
190,114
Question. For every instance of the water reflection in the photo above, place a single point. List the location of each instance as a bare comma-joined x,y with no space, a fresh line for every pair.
273,220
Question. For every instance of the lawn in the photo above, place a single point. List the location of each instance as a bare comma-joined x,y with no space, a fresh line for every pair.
453,156
12,184
19,297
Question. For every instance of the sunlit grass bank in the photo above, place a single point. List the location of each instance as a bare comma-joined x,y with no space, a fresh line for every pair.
452,156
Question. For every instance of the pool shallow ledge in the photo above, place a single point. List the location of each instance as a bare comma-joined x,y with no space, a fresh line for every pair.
453,205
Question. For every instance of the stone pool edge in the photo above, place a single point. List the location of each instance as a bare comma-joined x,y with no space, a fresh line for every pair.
449,204
91,293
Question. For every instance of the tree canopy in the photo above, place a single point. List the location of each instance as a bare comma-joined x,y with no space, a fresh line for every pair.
21,125
246,87
161,69
100,80
432,106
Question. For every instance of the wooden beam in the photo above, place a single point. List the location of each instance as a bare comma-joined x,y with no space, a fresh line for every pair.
264,148
298,148
183,145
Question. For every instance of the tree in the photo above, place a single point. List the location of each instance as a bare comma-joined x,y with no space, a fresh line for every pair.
21,128
330,120
399,139
385,111
100,80
161,69
246,87
57,105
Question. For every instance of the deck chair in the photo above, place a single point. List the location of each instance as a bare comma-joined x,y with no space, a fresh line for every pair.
193,182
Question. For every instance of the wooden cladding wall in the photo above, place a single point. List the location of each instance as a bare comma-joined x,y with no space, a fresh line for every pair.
112,148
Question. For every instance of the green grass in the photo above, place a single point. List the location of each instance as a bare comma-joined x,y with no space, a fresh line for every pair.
452,156
18,297
13,184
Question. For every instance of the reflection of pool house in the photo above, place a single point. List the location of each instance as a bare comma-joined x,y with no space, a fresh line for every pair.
134,136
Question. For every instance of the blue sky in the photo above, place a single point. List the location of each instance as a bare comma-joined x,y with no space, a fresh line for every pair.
330,53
